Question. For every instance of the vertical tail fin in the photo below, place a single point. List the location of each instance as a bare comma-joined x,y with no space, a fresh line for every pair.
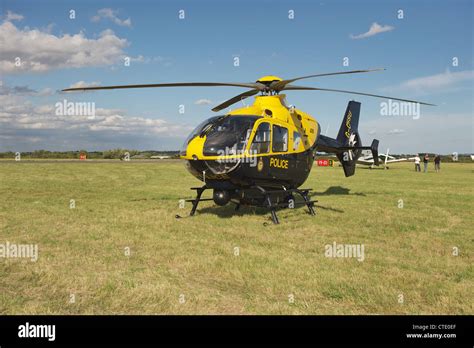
350,123
348,146
349,136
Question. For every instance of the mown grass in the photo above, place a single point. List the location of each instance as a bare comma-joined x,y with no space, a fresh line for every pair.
121,205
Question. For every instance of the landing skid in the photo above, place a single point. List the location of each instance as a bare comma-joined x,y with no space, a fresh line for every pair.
267,199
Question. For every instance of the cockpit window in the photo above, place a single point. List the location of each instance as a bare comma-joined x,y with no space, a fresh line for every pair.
200,127
229,135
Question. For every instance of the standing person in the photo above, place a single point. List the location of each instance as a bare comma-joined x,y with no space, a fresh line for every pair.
417,163
426,159
437,162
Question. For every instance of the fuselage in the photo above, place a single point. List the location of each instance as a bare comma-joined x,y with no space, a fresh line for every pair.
267,143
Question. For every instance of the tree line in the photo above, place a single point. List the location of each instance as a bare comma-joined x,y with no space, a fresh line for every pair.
122,153
108,154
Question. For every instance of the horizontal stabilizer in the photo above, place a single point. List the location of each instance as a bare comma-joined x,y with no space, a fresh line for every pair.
374,148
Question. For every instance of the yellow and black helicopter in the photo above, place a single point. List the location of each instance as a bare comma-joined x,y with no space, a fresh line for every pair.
261,154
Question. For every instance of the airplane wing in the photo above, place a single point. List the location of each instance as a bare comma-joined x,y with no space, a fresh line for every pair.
396,160
325,154
366,161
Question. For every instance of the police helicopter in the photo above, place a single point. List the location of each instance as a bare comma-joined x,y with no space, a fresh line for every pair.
261,154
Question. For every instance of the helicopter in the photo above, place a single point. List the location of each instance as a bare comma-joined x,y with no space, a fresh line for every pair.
261,154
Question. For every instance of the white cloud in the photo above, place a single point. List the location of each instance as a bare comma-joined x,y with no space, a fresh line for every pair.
396,131
111,14
80,84
435,131
437,82
45,92
203,102
40,51
10,17
28,116
24,90
374,29
21,121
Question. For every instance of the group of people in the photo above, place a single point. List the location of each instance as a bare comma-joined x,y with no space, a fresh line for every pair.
426,159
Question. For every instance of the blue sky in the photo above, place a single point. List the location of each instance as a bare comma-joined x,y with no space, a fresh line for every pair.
57,52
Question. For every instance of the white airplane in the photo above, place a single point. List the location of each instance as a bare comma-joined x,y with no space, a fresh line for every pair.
385,159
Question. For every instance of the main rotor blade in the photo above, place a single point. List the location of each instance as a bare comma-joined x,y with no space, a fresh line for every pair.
302,88
235,99
179,84
278,86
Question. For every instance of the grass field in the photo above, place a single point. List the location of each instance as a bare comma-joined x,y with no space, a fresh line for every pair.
219,262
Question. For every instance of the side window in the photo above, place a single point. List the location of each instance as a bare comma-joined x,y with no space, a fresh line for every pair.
261,141
296,140
280,139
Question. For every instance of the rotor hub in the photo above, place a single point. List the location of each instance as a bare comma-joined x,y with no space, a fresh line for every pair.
266,80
